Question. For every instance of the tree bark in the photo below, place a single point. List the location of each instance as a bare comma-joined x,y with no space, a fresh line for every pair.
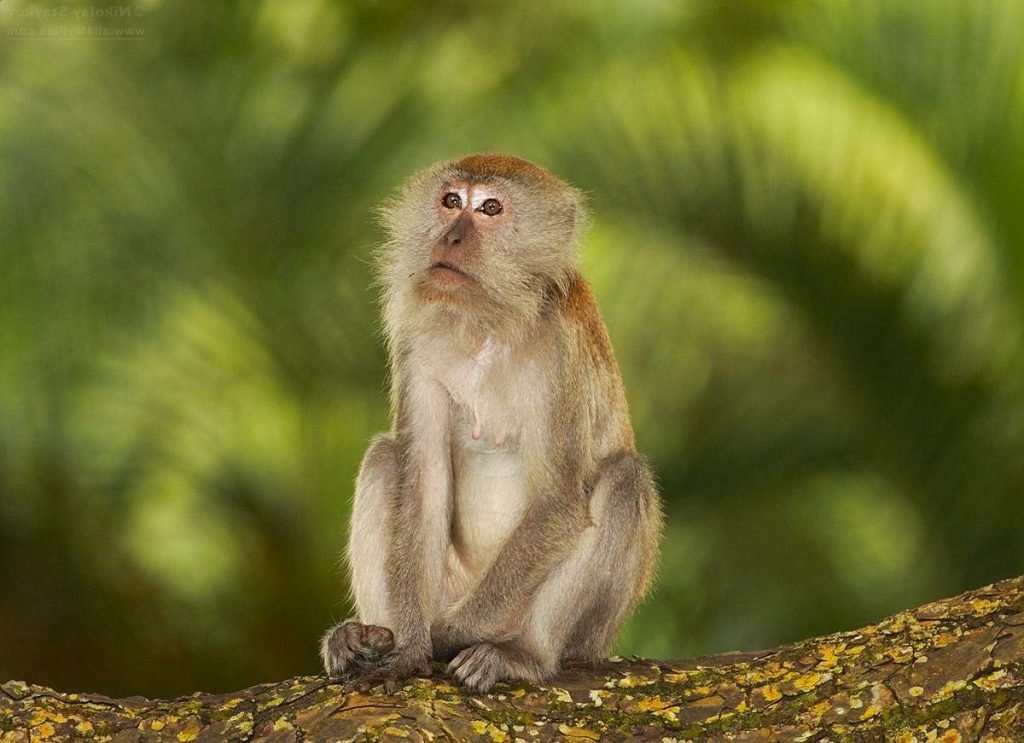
948,671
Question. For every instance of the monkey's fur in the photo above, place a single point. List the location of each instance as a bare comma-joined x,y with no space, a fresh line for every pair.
506,523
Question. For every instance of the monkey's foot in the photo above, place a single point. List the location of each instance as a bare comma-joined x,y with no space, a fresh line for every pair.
353,648
481,666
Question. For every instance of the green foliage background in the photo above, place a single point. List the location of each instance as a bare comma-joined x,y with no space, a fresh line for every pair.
808,244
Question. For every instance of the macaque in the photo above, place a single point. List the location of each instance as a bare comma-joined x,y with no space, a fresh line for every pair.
506,524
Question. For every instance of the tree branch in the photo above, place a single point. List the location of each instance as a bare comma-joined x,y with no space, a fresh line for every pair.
948,671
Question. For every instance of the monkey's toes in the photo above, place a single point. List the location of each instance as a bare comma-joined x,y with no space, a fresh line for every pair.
479,667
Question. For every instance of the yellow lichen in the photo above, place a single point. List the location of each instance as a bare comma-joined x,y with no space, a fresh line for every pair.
647,705
282,723
498,736
84,727
901,654
830,655
481,727
983,606
916,691
669,713
630,681
751,678
950,736
991,682
870,711
561,695
949,688
578,732
45,715
808,682
816,711
45,730
678,677
190,731
397,732
770,693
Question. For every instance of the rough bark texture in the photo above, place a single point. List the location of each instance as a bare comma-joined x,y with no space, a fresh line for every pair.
948,671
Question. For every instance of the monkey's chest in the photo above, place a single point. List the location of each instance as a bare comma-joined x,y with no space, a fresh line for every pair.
488,470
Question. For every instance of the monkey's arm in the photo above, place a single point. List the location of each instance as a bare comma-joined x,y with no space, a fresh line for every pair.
545,536
419,519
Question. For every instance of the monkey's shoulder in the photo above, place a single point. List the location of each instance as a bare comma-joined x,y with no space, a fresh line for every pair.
582,316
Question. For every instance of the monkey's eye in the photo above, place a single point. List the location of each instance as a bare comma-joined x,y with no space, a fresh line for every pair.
490,207
451,201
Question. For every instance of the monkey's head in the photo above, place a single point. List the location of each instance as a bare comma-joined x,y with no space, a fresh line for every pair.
484,241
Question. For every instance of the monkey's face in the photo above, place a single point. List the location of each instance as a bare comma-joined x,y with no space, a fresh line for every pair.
474,227
488,234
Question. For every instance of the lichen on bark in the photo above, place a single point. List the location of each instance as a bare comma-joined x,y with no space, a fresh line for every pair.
948,671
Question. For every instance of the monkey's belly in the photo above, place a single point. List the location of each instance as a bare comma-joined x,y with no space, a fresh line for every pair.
490,498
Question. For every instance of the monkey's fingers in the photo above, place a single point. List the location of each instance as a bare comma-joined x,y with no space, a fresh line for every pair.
376,641
355,648
392,679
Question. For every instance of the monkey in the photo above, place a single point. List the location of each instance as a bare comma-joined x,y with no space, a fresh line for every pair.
506,524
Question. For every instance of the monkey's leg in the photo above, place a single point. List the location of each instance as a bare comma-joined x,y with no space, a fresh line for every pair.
358,645
585,600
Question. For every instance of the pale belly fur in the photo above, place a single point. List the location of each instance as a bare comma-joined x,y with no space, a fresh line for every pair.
488,473
490,498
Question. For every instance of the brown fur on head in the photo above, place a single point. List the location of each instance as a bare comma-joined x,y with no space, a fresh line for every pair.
453,258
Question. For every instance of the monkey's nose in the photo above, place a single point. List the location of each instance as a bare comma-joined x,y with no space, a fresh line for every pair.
454,236
457,232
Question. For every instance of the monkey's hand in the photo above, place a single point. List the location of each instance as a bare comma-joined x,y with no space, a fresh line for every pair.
365,655
352,649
